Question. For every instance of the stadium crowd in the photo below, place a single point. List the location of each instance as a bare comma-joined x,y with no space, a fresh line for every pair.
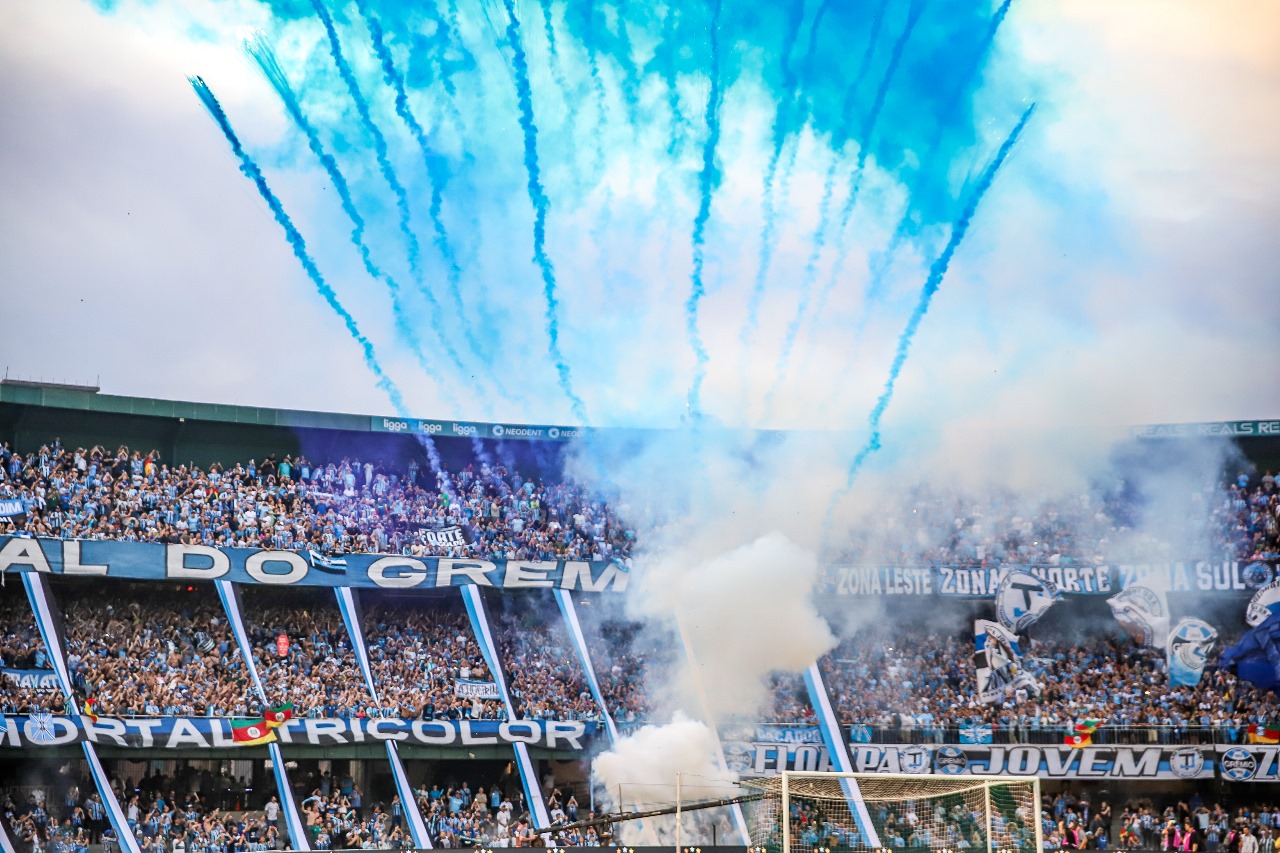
918,684
317,672
163,821
418,656
931,524
22,648
544,673
153,650
337,814
359,505
176,654
335,507
1191,824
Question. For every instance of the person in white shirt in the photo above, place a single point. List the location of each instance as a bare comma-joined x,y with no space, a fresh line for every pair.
1248,841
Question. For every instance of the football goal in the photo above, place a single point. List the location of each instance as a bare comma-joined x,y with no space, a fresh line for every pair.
831,812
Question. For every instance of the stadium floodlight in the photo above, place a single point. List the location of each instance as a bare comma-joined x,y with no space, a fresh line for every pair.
808,812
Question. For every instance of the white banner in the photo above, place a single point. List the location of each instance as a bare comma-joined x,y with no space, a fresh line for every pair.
476,690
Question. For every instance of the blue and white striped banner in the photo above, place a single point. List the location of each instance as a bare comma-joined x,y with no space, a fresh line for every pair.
231,605
839,753
408,803
128,843
42,607
474,600
355,631
292,820
570,614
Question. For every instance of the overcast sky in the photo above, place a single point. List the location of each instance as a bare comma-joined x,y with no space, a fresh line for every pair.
1122,267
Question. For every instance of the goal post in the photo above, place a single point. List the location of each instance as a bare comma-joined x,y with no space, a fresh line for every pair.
807,812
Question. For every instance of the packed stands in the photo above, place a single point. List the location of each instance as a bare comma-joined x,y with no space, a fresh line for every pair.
176,654
318,672
916,685
334,506
153,650
544,673
418,650
623,655
22,648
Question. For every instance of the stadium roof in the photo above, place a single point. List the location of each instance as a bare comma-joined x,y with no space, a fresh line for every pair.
87,400
64,397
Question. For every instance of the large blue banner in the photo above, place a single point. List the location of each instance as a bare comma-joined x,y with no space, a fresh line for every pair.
39,730
154,561
30,679
11,507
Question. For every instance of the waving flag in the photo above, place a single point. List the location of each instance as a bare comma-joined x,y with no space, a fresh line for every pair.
1188,649
88,709
1022,599
1144,613
1263,604
975,733
276,717
997,662
1256,658
251,732
336,565
1269,733
1082,734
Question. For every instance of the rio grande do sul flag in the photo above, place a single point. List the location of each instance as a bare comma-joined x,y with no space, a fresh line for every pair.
1264,734
251,732
1081,734
276,717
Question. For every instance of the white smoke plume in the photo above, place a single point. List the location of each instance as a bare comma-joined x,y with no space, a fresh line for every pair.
640,772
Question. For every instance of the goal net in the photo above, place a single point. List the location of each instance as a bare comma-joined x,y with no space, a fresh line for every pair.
827,812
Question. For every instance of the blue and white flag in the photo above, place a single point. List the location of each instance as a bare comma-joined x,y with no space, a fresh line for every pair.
319,561
11,507
975,733
860,733
1190,642
997,662
1022,598
1265,602
1144,613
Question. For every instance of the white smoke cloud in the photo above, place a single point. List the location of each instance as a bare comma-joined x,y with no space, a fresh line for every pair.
640,772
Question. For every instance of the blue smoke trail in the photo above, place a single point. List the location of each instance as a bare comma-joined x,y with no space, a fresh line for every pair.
780,130
538,198
379,141
864,150
810,273
817,27
250,170
708,179
884,260
553,51
296,243
672,77
597,85
438,173
936,273
824,207
261,53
